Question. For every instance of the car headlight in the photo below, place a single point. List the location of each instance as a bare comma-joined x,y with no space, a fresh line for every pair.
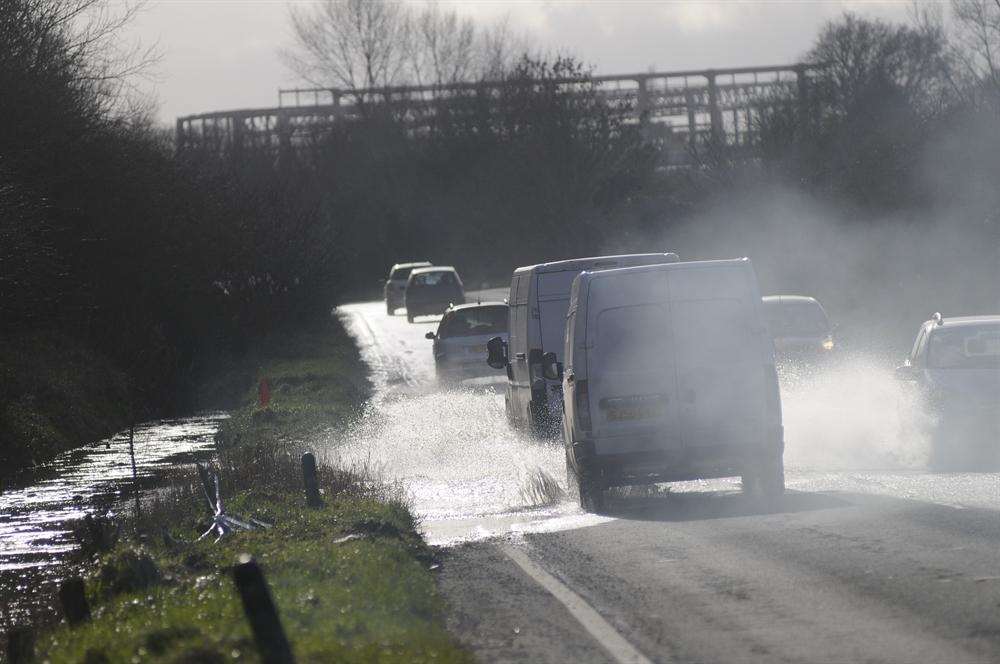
828,343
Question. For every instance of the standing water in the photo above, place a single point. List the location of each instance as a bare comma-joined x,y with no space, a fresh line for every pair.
36,518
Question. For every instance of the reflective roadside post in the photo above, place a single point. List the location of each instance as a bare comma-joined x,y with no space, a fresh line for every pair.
261,613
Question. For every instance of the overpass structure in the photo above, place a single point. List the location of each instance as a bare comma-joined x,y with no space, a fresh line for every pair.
680,110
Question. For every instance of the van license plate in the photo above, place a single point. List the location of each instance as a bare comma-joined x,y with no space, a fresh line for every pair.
633,413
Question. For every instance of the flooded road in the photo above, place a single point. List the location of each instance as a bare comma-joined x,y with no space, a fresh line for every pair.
869,556
36,514
850,427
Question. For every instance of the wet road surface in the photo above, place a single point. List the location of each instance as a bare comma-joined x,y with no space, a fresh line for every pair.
869,556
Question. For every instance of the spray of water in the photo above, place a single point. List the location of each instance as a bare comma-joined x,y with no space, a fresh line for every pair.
455,454
850,414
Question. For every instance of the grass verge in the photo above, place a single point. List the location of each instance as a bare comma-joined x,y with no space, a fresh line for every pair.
352,580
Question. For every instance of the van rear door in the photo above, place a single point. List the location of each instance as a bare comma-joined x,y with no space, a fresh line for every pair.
632,370
721,381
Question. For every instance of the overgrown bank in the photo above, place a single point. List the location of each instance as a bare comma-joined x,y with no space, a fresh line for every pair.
352,580
55,394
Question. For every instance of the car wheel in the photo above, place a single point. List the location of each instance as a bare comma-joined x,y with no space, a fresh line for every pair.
390,310
409,318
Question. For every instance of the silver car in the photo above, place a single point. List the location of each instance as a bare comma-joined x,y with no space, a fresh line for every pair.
395,285
956,363
460,340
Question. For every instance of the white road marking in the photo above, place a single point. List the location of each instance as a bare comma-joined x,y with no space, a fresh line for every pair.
614,643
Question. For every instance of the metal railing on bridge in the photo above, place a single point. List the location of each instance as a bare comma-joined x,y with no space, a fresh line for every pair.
680,110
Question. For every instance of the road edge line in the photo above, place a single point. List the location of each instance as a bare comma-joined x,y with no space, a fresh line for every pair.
600,629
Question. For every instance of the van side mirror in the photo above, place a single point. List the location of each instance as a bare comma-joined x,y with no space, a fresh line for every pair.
429,335
496,353
907,372
551,369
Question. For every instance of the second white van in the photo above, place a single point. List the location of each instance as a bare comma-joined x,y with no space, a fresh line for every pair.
539,298
669,375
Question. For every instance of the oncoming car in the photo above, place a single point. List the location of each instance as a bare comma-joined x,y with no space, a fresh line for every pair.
798,324
395,285
956,363
431,290
460,341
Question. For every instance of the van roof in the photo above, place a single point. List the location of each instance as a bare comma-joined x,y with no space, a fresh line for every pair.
781,299
686,265
581,264
433,268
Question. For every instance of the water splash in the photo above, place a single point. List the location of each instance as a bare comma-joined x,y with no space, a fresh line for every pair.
852,413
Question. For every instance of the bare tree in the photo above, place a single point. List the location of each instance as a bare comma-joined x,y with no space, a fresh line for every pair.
977,25
499,49
444,47
353,44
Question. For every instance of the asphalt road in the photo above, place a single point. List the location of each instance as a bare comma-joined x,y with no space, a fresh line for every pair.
868,557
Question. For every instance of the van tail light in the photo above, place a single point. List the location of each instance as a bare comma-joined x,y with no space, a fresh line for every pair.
583,405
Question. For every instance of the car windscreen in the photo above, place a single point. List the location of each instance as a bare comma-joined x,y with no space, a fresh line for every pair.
965,347
430,279
795,319
473,322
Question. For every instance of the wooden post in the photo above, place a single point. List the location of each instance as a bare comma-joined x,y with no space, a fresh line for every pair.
268,634
20,645
309,480
73,597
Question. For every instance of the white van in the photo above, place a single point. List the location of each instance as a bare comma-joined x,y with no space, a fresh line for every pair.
669,375
539,297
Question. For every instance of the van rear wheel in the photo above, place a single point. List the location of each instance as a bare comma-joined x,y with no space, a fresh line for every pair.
765,477
588,488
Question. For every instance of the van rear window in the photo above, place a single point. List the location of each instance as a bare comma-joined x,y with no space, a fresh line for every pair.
629,338
556,284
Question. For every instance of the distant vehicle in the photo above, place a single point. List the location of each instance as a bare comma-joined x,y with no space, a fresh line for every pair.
461,338
669,376
956,363
798,324
431,290
395,285
539,297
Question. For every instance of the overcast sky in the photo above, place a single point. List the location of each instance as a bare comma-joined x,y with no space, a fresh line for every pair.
223,54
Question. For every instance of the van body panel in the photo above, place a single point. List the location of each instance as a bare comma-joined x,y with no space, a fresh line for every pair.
678,372
539,299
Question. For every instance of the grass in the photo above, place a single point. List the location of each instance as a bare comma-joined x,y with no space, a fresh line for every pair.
316,379
353,580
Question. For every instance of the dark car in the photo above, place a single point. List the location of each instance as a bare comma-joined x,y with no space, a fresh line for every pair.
431,290
799,326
